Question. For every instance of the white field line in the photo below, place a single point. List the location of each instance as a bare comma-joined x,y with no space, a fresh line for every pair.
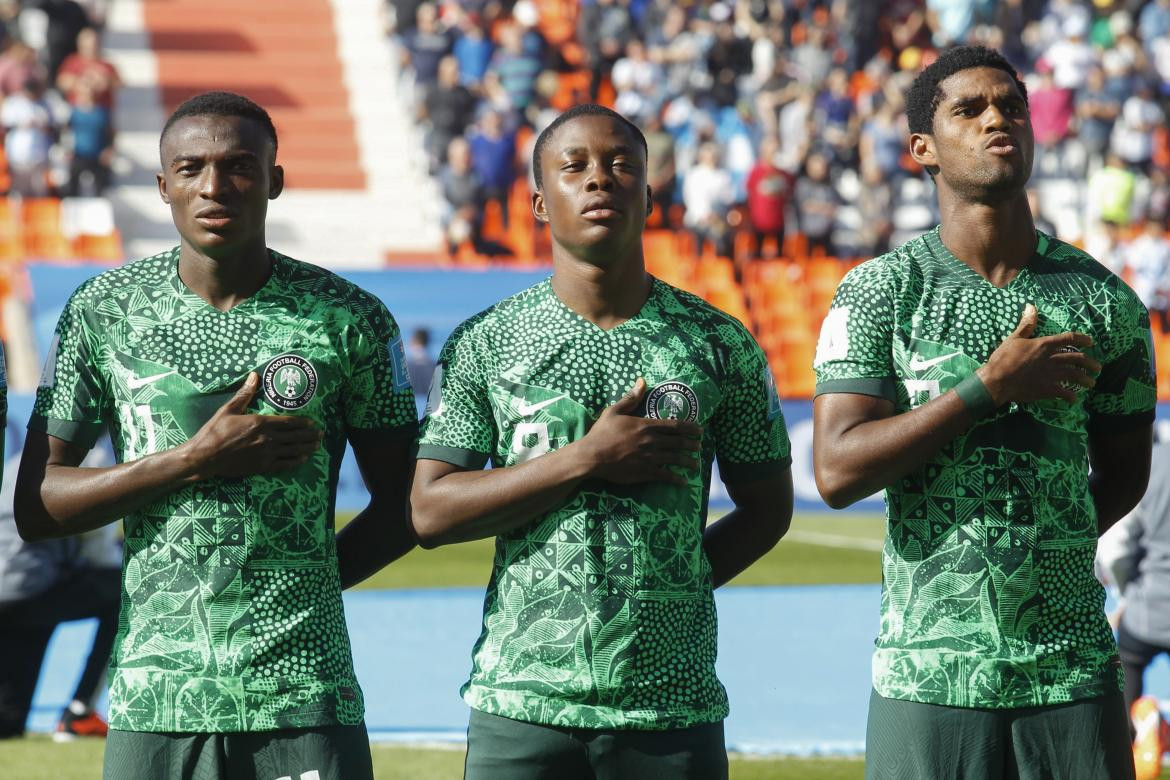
834,540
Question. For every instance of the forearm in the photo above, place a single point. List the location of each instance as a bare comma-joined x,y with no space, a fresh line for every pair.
466,505
873,455
737,540
73,500
376,537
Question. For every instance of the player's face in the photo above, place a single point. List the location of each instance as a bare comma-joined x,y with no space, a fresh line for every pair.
982,142
594,194
218,176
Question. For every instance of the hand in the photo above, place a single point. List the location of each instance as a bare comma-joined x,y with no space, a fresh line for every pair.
624,447
1024,368
234,443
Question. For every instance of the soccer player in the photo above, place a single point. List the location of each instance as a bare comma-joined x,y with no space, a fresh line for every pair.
231,377
600,397
974,374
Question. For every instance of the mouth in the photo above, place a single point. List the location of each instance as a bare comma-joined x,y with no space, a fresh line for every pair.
600,210
1001,144
215,217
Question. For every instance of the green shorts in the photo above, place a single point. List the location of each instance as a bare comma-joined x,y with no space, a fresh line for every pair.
1081,740
505,749
326,753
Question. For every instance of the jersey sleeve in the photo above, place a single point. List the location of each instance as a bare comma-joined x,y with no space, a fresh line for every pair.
458,426
377,394
1126,391
751,440
855,351
72,400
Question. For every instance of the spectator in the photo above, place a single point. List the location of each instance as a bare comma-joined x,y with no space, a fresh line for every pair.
817,202
18,66
42,585
875,204
419,363
1071,56
604,28
28,121
93,144
1052,112
836,119
493,155
1154,22
473,49
66,21
707,194
769,189
514,70
1148,259
449,108
1133,132
1111,191
87,66
728,59
1039,219
636,81
463,197
1098,106
424,48
660,167
883,141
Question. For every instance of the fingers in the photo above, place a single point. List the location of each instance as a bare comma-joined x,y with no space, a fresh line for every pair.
238,403
1069,340
1078,360
1027,323
628,403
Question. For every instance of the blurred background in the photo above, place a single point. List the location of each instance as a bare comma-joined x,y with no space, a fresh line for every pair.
777,148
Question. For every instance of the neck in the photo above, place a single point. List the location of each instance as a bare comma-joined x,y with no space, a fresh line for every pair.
228,279
606,295
996,240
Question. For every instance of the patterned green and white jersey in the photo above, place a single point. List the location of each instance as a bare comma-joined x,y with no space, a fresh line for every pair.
231,616
600,614
988,596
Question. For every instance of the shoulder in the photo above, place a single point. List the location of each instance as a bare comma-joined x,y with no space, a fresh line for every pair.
148,272
689,314
505,319
329,291
1083,272
889,271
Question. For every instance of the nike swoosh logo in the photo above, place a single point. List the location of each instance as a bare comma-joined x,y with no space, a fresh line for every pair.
527,409
918,364
136,382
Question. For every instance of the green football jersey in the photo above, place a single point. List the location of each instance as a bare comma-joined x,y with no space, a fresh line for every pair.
599,614
231,616
988,593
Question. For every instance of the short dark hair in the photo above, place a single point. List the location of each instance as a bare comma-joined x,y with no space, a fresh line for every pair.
584,109
220,103
924,96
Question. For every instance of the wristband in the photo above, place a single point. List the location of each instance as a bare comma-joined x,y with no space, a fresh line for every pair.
975,396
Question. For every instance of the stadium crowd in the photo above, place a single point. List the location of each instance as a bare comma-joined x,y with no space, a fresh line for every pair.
786,117
56,97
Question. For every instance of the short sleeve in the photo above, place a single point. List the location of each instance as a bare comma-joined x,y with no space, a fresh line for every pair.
377,394
751,440
1126,392
458,426
72,399
855,352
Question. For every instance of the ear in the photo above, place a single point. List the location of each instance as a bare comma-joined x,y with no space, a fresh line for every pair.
162,188
275,182
539,210
922,150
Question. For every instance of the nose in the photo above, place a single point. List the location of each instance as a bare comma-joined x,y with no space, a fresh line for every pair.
214,182
993,118
600,178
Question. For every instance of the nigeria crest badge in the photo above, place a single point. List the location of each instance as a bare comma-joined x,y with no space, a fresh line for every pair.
289,382
672,401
